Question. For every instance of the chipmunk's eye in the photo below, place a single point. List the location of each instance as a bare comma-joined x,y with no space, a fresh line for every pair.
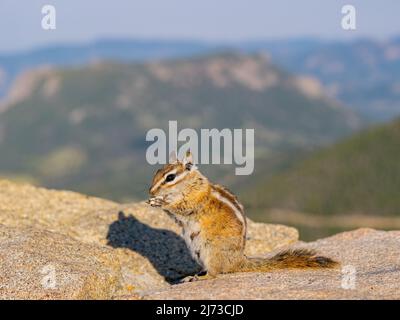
170,177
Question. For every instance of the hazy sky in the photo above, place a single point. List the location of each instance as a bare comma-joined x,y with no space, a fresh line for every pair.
84,20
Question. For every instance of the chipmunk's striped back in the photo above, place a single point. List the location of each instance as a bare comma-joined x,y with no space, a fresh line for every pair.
222,194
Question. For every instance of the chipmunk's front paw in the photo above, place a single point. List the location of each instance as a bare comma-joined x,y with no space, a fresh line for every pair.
156,201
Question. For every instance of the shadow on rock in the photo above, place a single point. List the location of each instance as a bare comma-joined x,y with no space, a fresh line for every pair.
166,251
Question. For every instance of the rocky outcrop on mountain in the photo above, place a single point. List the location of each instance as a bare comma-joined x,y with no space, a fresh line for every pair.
24,85
143,243
38,264
64,245
370,269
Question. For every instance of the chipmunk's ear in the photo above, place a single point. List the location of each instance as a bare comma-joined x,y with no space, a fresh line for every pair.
188,160
173,158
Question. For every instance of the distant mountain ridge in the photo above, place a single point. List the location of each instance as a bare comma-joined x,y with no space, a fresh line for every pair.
363,74
360,175
12,64
84,128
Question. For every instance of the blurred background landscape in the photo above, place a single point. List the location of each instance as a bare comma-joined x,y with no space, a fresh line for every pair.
76,102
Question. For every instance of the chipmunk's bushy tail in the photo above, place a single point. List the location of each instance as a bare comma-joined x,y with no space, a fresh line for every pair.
289,259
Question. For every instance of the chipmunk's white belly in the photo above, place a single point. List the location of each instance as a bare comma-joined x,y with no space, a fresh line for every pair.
192,236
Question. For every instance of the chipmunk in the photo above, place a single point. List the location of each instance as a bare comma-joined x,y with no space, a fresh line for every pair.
214,224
